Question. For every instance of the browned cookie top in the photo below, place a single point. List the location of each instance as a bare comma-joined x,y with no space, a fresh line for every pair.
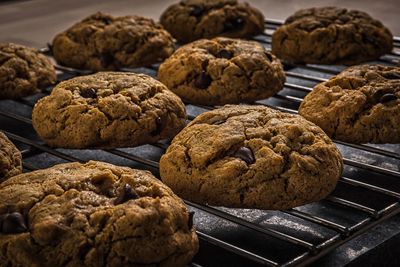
104,42
331,35
221,71
190,20
23,71
359,105
10,158
108,109
251,157
93,214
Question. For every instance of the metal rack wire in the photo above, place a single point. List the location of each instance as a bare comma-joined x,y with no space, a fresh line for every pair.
328,224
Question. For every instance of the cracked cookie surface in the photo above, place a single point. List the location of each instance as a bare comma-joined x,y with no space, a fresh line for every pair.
104,42
190,20
222,71
93,214
359,105
107,110
251,157
10,158
23,71
331,35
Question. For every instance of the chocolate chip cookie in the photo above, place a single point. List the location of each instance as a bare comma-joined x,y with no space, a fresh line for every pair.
23,71
104,42
190,20
93,214
221,71
10,158
359,105
108,110
331,35
251,157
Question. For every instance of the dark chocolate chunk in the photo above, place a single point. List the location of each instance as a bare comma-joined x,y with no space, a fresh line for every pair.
107,21
392,75
245,154
269,56
159,127
196,11
233,24
387,98
223,53
203,80
190,222
106,59
125,194
88,93
13,223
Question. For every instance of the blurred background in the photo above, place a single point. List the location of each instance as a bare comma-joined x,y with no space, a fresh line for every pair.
36,22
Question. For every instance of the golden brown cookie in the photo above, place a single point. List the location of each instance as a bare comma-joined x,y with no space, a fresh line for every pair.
93,214
108,110
104,42
190,20
23,71
331,35
222,71
359,105
251,157
10,158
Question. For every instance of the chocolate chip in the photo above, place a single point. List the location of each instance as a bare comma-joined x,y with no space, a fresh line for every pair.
88,93
387,98
159,127
190,222
126,193
392,75
224,54
245,154
203,80
196,11
13,223
106,59
233,24
107,21
269,56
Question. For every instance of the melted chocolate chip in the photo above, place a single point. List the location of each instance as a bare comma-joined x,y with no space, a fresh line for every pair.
224,54
269,56
126,193
107,21
245,154
233,24
203,80
159,126
196,11
392,75
88,93
106,59
387,98
13,223
190,222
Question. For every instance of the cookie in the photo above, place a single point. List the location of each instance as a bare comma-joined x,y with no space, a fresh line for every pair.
251,157
23,71
331,35
93,214
359,105
190,20
108,110
221,71
10,158
104,42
